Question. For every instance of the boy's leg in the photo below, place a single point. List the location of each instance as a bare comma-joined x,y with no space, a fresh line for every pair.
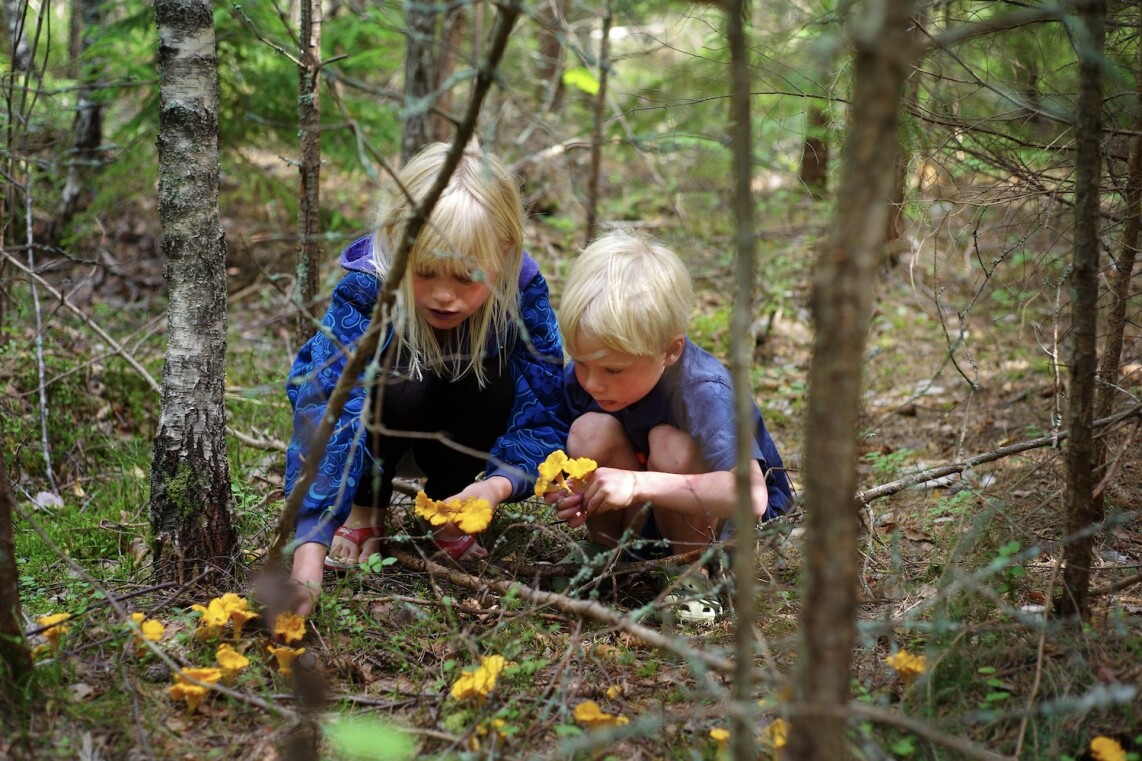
602,438
674,451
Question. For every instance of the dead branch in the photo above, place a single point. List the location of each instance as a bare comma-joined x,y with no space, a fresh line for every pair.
1116,586
930,474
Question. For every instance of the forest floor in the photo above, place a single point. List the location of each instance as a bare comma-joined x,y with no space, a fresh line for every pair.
959,570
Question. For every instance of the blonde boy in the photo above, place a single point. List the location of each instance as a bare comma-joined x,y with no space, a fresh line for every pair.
651,407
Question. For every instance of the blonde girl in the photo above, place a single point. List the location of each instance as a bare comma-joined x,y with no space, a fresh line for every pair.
471,363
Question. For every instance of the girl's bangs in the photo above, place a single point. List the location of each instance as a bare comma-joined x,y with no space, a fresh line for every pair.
461,252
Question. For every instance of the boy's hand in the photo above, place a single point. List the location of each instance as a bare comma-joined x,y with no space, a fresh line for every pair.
610,489
568,507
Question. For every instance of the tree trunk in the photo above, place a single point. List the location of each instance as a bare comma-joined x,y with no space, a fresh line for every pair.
19,46
745,559
454,27
190,507
1120,284
594,179
842,304
815,151
15,660
552,20
419,77
1083,511
88,125
309,136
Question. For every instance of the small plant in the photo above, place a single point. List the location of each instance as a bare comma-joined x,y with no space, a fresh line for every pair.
887,466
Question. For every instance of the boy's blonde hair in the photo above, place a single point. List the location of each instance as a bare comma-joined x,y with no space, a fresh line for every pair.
475,230
629,293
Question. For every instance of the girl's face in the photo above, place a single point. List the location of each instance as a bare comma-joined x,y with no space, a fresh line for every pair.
444,299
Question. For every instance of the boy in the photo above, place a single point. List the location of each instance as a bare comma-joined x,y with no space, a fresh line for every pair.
653,409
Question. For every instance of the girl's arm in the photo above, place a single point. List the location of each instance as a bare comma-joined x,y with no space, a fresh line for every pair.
537,424
312,378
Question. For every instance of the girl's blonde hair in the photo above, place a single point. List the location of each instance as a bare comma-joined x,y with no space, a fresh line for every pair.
475,230
629,293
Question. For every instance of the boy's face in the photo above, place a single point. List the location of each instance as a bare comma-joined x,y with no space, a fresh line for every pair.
616,380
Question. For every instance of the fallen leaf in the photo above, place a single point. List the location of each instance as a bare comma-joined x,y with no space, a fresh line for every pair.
81,691
916,535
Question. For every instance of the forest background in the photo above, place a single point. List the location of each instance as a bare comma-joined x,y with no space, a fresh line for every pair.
942,206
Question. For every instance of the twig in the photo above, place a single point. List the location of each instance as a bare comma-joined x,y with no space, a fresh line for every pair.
958,467
40,371
583,608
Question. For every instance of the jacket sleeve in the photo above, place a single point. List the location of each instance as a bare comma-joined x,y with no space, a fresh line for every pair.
538,422
311,381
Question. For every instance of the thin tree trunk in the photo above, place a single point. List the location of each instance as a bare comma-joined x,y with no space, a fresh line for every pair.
597,133
419,76
842,304
309,251
190,507
454,28
815,151
552,19
1107,391
1083,511
894,229
745,559
88,125
15,660
18,43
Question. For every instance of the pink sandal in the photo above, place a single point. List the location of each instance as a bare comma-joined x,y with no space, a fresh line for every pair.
357,536
455,547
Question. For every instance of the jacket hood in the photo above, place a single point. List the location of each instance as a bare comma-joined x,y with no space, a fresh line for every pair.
358,255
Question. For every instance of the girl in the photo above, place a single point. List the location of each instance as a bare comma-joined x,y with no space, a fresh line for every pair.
473,359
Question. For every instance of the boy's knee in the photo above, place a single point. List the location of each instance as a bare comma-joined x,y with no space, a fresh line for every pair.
594,433
674,451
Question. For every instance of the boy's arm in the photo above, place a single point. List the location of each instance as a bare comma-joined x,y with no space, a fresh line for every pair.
705,494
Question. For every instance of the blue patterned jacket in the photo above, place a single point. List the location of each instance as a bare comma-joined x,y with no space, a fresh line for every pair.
537,424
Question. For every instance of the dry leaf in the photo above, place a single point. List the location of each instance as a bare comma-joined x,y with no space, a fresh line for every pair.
81,691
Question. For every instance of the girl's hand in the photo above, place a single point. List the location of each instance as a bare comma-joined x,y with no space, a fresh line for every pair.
305,577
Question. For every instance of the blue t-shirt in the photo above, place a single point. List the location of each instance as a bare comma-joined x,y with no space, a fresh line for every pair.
694,395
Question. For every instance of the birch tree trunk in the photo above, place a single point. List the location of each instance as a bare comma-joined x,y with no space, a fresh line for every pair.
1083,511
842,303
190,512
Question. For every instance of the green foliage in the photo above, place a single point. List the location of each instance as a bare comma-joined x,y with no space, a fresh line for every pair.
366,738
